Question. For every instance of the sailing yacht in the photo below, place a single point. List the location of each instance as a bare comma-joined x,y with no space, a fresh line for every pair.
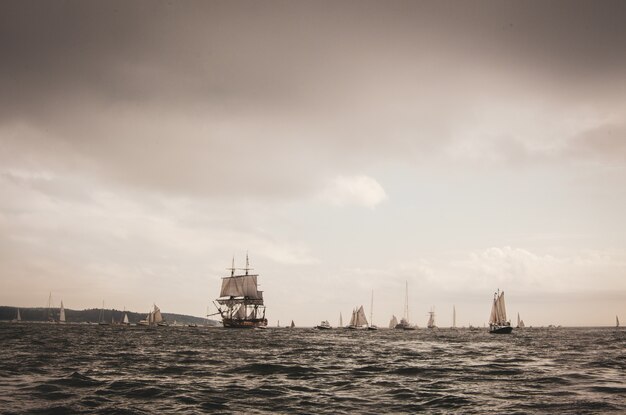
154,318
62,314
340,320
393,322
17,318
431,319
616,320
292,326
372,326
358,320
520,322
101,317
498,324
404,321
241,303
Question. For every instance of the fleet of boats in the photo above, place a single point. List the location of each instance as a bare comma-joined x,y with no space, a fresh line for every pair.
241,305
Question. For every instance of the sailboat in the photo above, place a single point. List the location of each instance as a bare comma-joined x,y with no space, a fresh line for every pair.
520,323
372,326
431,319
154,318
393,322
49,316
498,323
340,320
358,320
17,318
404,321
125,321
62,314
241,303
292,326
616,319
101,317
453,317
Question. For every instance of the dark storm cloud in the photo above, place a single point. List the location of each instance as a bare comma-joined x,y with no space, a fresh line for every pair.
181,95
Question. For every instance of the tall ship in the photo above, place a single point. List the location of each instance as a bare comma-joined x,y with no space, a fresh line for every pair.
431,319
498,323
154,318
241,303
358,320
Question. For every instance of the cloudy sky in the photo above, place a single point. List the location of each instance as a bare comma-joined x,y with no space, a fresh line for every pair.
348,146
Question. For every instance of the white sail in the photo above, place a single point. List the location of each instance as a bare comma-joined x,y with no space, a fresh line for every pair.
393,323
616,321
241,286
292,324
125,320
493,317
431,319
361,320
62,314
521,324
19,317
340,320
502,308
518,320
240,313
353,319
156,315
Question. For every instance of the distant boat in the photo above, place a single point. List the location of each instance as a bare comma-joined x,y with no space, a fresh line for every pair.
393,322
372,326
241,303
292,326
192,325
62,314
616,319
324,325
404,321
17,318
453,317
154,318
340,320
101,317
520,323
358,320
498,324
49,316
431,319
125,320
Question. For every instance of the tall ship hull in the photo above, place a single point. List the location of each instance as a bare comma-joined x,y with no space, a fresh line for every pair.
241,303
494,329
233,323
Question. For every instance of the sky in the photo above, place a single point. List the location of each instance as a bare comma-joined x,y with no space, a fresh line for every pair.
349,147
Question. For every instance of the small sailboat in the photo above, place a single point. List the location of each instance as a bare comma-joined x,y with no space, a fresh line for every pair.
520,322
62,314
431,319
340,320
404,321
292,326
154,318
324,325
616,320
393,322
101,317
498,324
358,320
372,326
17,318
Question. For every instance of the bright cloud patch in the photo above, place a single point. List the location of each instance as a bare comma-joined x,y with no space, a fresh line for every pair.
355,190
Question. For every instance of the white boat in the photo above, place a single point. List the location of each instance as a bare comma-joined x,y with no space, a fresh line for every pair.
125,320
520,322
324,325
340,321
372,326
101,317
62,314
292,326
358,320
431,319
393,322
498,324
154,318
404,321
616,320
17,318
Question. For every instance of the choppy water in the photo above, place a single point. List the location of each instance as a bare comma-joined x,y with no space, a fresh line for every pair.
94,369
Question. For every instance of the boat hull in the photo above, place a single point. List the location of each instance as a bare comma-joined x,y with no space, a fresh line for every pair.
232,323
500,329
323,328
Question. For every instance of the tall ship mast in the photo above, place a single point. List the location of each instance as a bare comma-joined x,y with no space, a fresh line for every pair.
241,303
498,322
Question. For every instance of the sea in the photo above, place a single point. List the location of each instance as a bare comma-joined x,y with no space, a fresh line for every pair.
59,369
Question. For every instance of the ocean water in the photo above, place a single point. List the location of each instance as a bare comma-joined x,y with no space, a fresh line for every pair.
47,368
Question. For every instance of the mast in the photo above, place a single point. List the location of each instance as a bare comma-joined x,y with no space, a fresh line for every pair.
406,301
372,309
340,320
19,318
453,317
62,314
49,311
616,321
